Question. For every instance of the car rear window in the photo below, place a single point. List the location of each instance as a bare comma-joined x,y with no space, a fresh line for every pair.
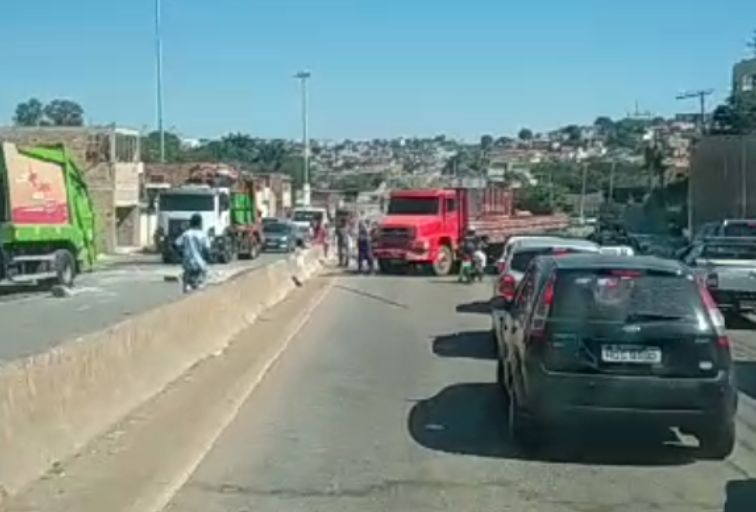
740,229
625,296
729,252
522,258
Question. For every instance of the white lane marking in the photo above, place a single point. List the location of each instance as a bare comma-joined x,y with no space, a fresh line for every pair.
173,487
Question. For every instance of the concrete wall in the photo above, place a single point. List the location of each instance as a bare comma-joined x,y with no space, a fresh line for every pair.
52,404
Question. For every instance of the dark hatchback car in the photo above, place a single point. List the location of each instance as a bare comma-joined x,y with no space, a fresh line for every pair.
601,338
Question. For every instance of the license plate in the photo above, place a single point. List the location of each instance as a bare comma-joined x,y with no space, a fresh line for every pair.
625,354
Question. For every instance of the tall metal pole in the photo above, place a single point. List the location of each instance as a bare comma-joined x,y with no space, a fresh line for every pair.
303,76
159,85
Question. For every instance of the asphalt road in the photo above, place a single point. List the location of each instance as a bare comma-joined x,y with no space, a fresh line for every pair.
32,321
387,401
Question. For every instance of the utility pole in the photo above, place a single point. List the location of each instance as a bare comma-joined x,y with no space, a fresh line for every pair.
701,95
582,194
159,85
303,76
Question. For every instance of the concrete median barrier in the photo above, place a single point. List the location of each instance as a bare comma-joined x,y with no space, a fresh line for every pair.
53,403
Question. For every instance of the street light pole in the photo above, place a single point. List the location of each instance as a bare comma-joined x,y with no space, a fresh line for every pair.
159,85
303,76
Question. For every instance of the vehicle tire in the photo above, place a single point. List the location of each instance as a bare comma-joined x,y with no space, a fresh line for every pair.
717,443
444,262
65,268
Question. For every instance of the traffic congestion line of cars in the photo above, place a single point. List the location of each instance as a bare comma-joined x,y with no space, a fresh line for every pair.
586,336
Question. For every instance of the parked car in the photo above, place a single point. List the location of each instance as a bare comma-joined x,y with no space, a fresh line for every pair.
279,236
728,267
630,339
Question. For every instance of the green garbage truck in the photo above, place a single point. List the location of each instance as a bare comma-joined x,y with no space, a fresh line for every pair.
47,222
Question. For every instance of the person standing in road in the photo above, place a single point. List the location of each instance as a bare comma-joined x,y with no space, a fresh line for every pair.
342,243
194,246
364,247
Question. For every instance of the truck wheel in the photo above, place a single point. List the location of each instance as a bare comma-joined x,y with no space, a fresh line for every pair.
444,262
65,268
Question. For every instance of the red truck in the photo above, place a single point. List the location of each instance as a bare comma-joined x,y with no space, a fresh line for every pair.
425,227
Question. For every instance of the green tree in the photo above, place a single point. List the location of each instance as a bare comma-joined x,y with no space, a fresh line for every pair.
486,141
737,116
64,113
604,125
573,133
525,134
151,148
29,113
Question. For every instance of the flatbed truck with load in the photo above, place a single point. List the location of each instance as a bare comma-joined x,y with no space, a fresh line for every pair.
47,222
226,201
426,227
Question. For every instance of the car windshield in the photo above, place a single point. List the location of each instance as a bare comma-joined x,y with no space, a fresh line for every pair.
276,227
729,252
619,295
186,203
413,206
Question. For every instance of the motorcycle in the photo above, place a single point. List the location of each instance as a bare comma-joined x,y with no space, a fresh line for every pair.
472,268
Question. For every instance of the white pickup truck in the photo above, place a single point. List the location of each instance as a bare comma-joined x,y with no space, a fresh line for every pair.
728,267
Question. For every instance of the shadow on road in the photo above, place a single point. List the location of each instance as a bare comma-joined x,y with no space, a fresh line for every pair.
741,496
470,419
469,344
745,376
480,307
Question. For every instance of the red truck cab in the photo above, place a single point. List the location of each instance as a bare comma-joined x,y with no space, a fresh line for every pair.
426,227
421,227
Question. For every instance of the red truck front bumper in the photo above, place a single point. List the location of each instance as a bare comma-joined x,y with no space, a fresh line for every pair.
402,256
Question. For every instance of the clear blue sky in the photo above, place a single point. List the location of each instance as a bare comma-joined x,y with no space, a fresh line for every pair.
380,67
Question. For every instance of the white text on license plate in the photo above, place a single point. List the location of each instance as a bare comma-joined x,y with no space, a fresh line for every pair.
624,354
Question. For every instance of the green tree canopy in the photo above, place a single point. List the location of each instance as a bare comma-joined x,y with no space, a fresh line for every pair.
64,113
525,134
29,113
486,141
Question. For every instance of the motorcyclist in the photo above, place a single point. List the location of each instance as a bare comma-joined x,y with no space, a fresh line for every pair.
474,249
194,246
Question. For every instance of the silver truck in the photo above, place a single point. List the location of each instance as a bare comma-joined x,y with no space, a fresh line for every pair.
727,266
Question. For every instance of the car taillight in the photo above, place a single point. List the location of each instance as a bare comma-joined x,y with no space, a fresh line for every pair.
541,312
717,319
501,267
507,286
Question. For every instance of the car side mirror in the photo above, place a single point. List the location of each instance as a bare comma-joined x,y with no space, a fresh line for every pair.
501,303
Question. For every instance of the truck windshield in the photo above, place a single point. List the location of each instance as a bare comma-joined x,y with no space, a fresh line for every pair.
413,206
729,252
308,216
186,203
